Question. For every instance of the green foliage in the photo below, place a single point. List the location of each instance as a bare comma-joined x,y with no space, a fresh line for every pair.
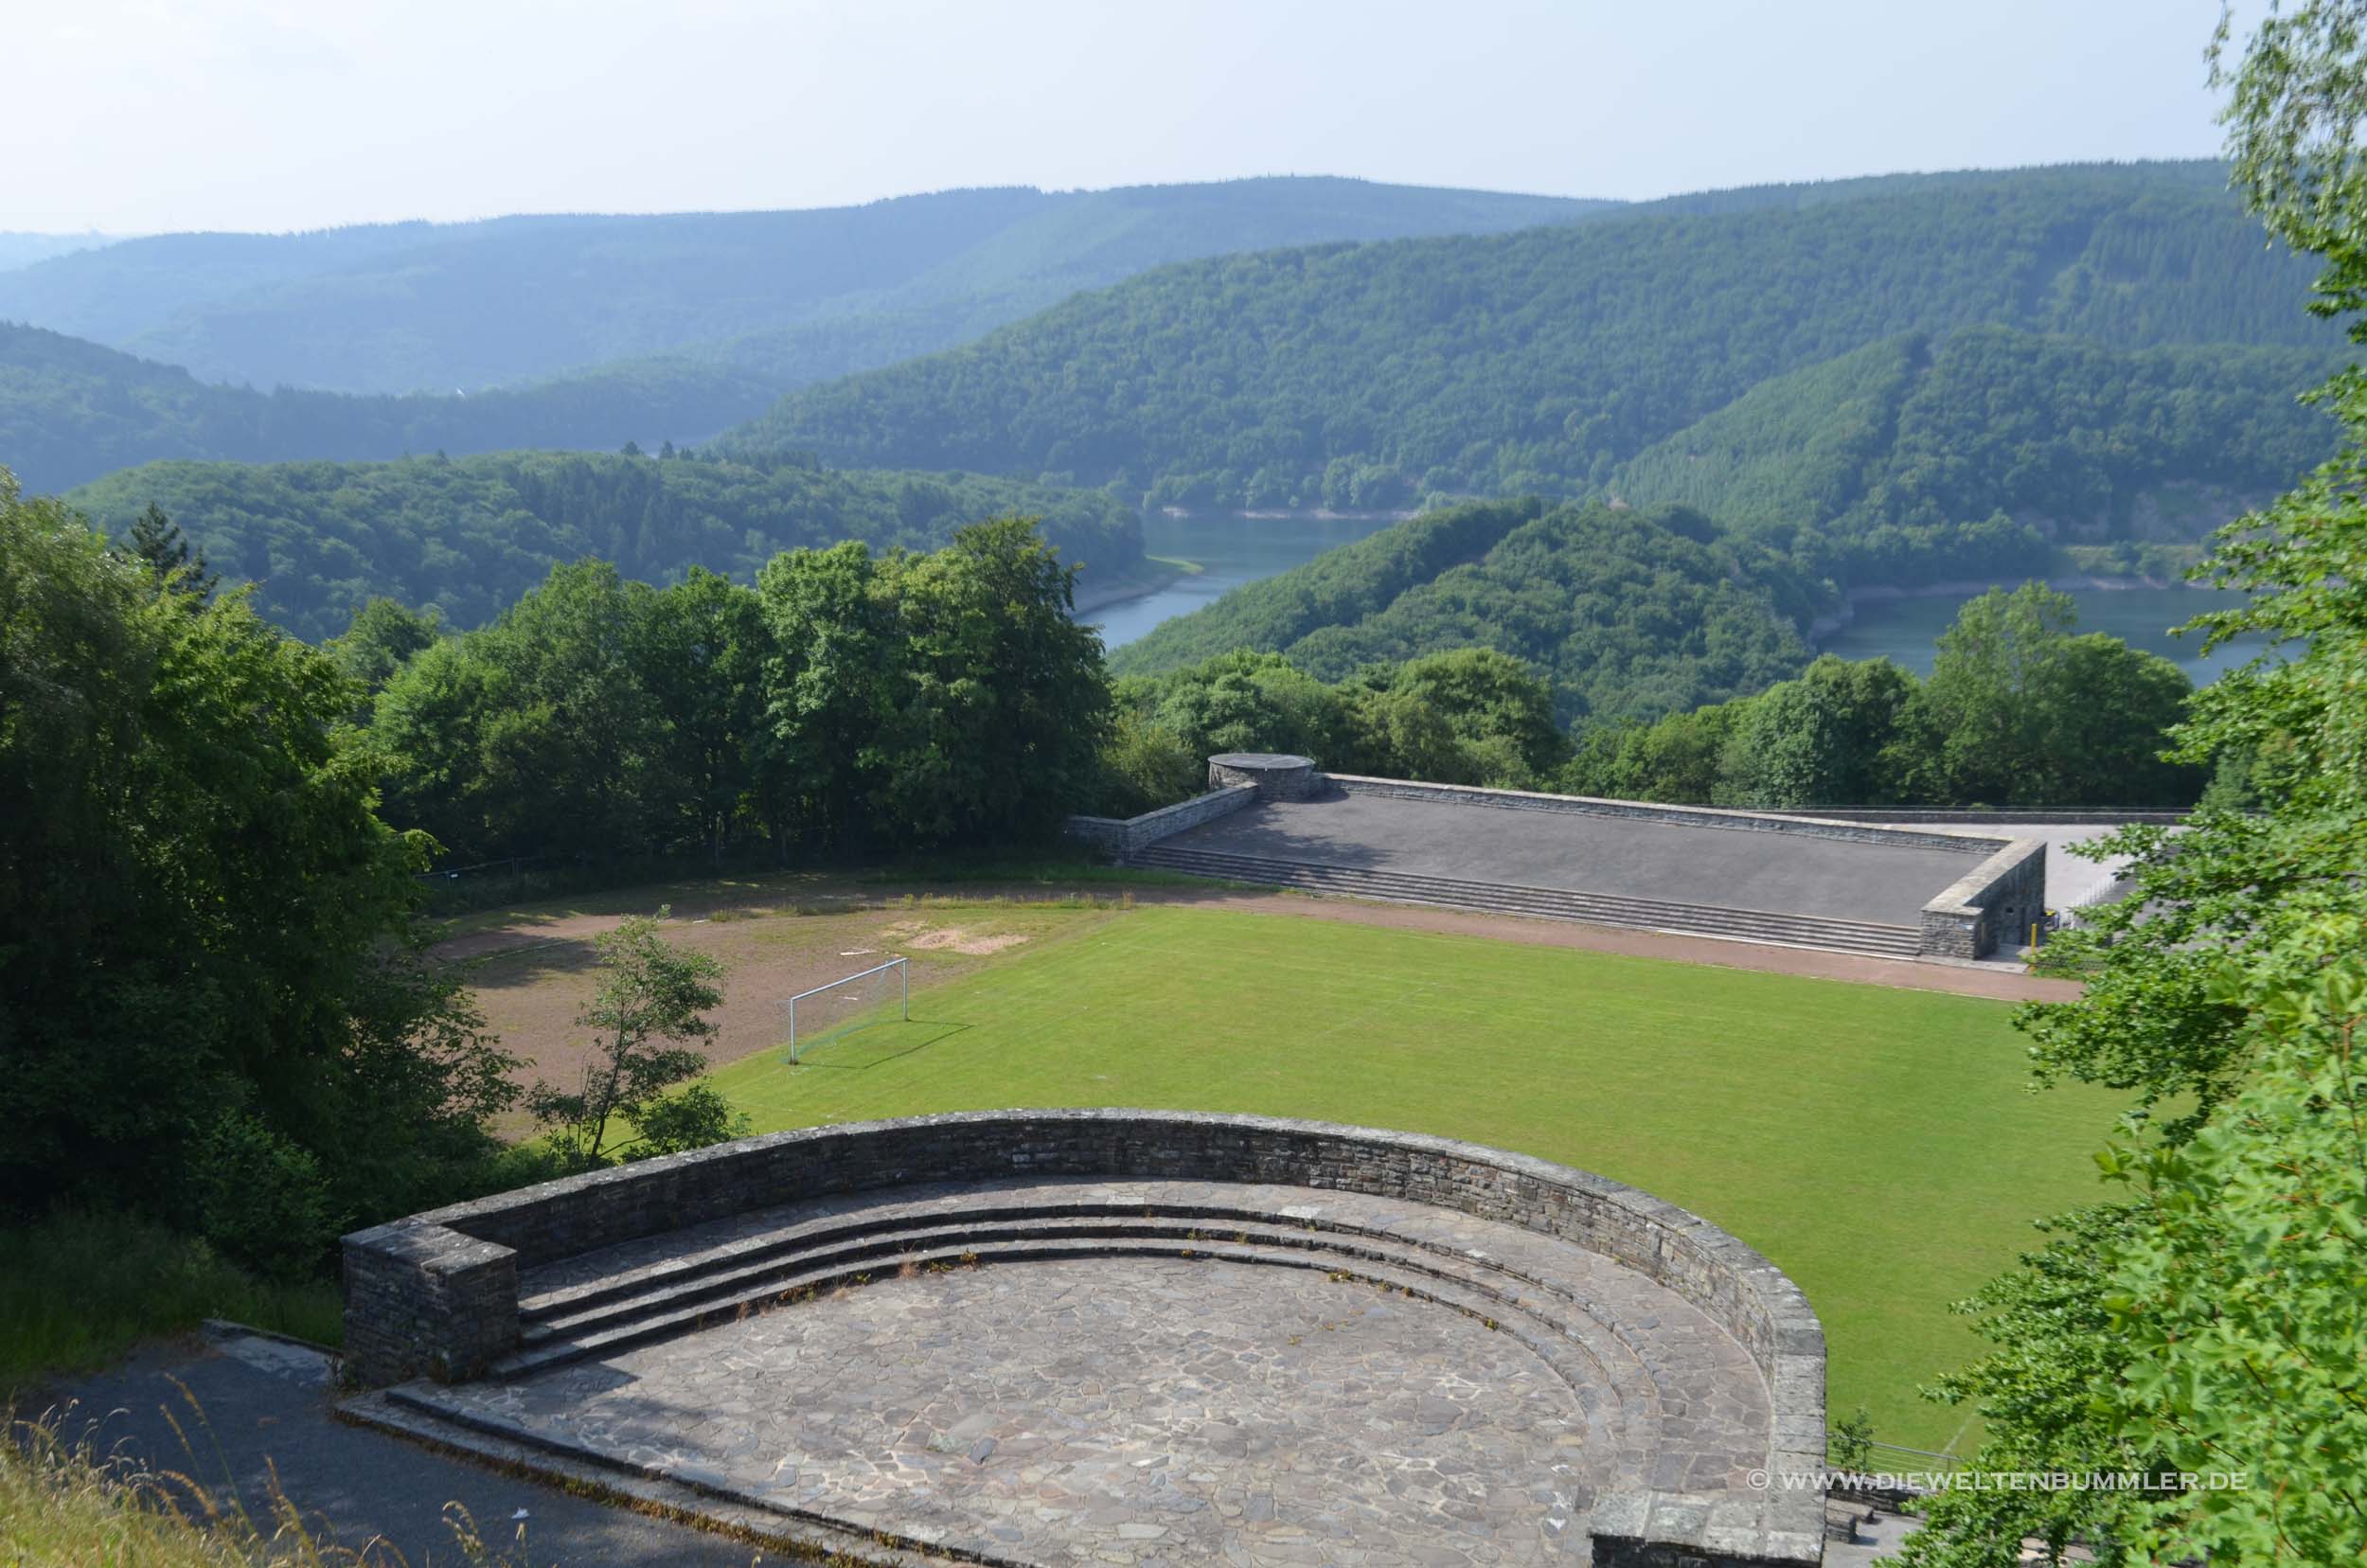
1472,717
384,637
1828,737
1852,1444
199,909
652,1002
72,411
693,1119
587,331
1538,362
1627,612
2211,1319
928,700
2017,712
510,298
1879,466
465,537
851,701
156,540
80,1287
261,1200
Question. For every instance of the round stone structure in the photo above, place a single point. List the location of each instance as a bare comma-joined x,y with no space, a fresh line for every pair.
1127,1336
1277,775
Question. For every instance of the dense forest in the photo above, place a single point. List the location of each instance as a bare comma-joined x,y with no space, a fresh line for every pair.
1852,465
1631,612
2020,710
430,307
466,536
1539,362
71,411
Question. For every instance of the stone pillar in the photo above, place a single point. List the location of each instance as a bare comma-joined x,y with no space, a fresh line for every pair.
1277,775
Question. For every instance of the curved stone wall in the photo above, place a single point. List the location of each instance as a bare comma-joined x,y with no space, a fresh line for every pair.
1278,775
438,1292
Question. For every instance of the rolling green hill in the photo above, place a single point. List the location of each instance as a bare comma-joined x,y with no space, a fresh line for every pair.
424,307
1975,454
469,535
2080,442
1630,612
1541,360
71,411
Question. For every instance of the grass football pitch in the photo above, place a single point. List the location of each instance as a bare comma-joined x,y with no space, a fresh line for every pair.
1879,1145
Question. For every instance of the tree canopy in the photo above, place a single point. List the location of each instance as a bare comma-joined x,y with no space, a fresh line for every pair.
1629,613
2208,1315
466,536
1538,362
199,910
849,701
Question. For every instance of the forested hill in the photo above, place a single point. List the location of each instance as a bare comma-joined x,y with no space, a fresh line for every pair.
1540,361
1630,612
421,307
1845,460
469,535
1975,456
71,411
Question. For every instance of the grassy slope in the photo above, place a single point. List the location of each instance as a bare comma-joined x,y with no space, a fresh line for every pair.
1876,1144
76,1292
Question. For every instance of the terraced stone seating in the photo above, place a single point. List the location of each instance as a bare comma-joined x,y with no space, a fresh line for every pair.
1350,1347
1747,925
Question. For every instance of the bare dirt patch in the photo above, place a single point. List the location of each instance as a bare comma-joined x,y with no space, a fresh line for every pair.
955,940
531,976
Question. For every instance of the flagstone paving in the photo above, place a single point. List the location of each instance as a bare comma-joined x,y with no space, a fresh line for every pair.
1240,1405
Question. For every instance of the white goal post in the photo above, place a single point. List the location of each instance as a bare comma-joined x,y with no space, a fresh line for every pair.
840,1008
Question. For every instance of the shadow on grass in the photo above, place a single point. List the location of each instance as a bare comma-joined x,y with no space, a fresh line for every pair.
847,1055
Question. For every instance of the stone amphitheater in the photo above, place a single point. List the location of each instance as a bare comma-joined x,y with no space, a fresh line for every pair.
1115,1336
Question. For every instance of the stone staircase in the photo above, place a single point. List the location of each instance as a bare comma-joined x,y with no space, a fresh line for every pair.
1741,925
796,1261
1651,1377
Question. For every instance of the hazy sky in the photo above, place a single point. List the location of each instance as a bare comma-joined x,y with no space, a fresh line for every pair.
132,116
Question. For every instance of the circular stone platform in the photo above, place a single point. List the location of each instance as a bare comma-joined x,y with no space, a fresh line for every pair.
1057,1368
1278,775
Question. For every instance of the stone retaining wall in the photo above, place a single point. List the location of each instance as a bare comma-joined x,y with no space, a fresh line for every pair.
1645,811
438,1292
1935,815
2002,897
1123,835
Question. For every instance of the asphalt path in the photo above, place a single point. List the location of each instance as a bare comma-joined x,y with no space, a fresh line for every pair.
247,1413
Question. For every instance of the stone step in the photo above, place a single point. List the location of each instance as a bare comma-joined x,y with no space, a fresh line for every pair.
840,1249
796,1277
1614,1385
1512,893
793,1238
1826,931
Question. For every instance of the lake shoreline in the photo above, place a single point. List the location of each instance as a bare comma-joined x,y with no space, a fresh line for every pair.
2068,582
1127,590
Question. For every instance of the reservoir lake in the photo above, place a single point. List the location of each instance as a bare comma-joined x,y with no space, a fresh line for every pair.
1907,629
1235,550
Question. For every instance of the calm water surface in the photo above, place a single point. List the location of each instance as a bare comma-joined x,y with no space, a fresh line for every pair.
1235,550
1907,629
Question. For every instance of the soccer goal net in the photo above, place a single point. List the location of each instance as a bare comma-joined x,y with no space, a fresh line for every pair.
829,1012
